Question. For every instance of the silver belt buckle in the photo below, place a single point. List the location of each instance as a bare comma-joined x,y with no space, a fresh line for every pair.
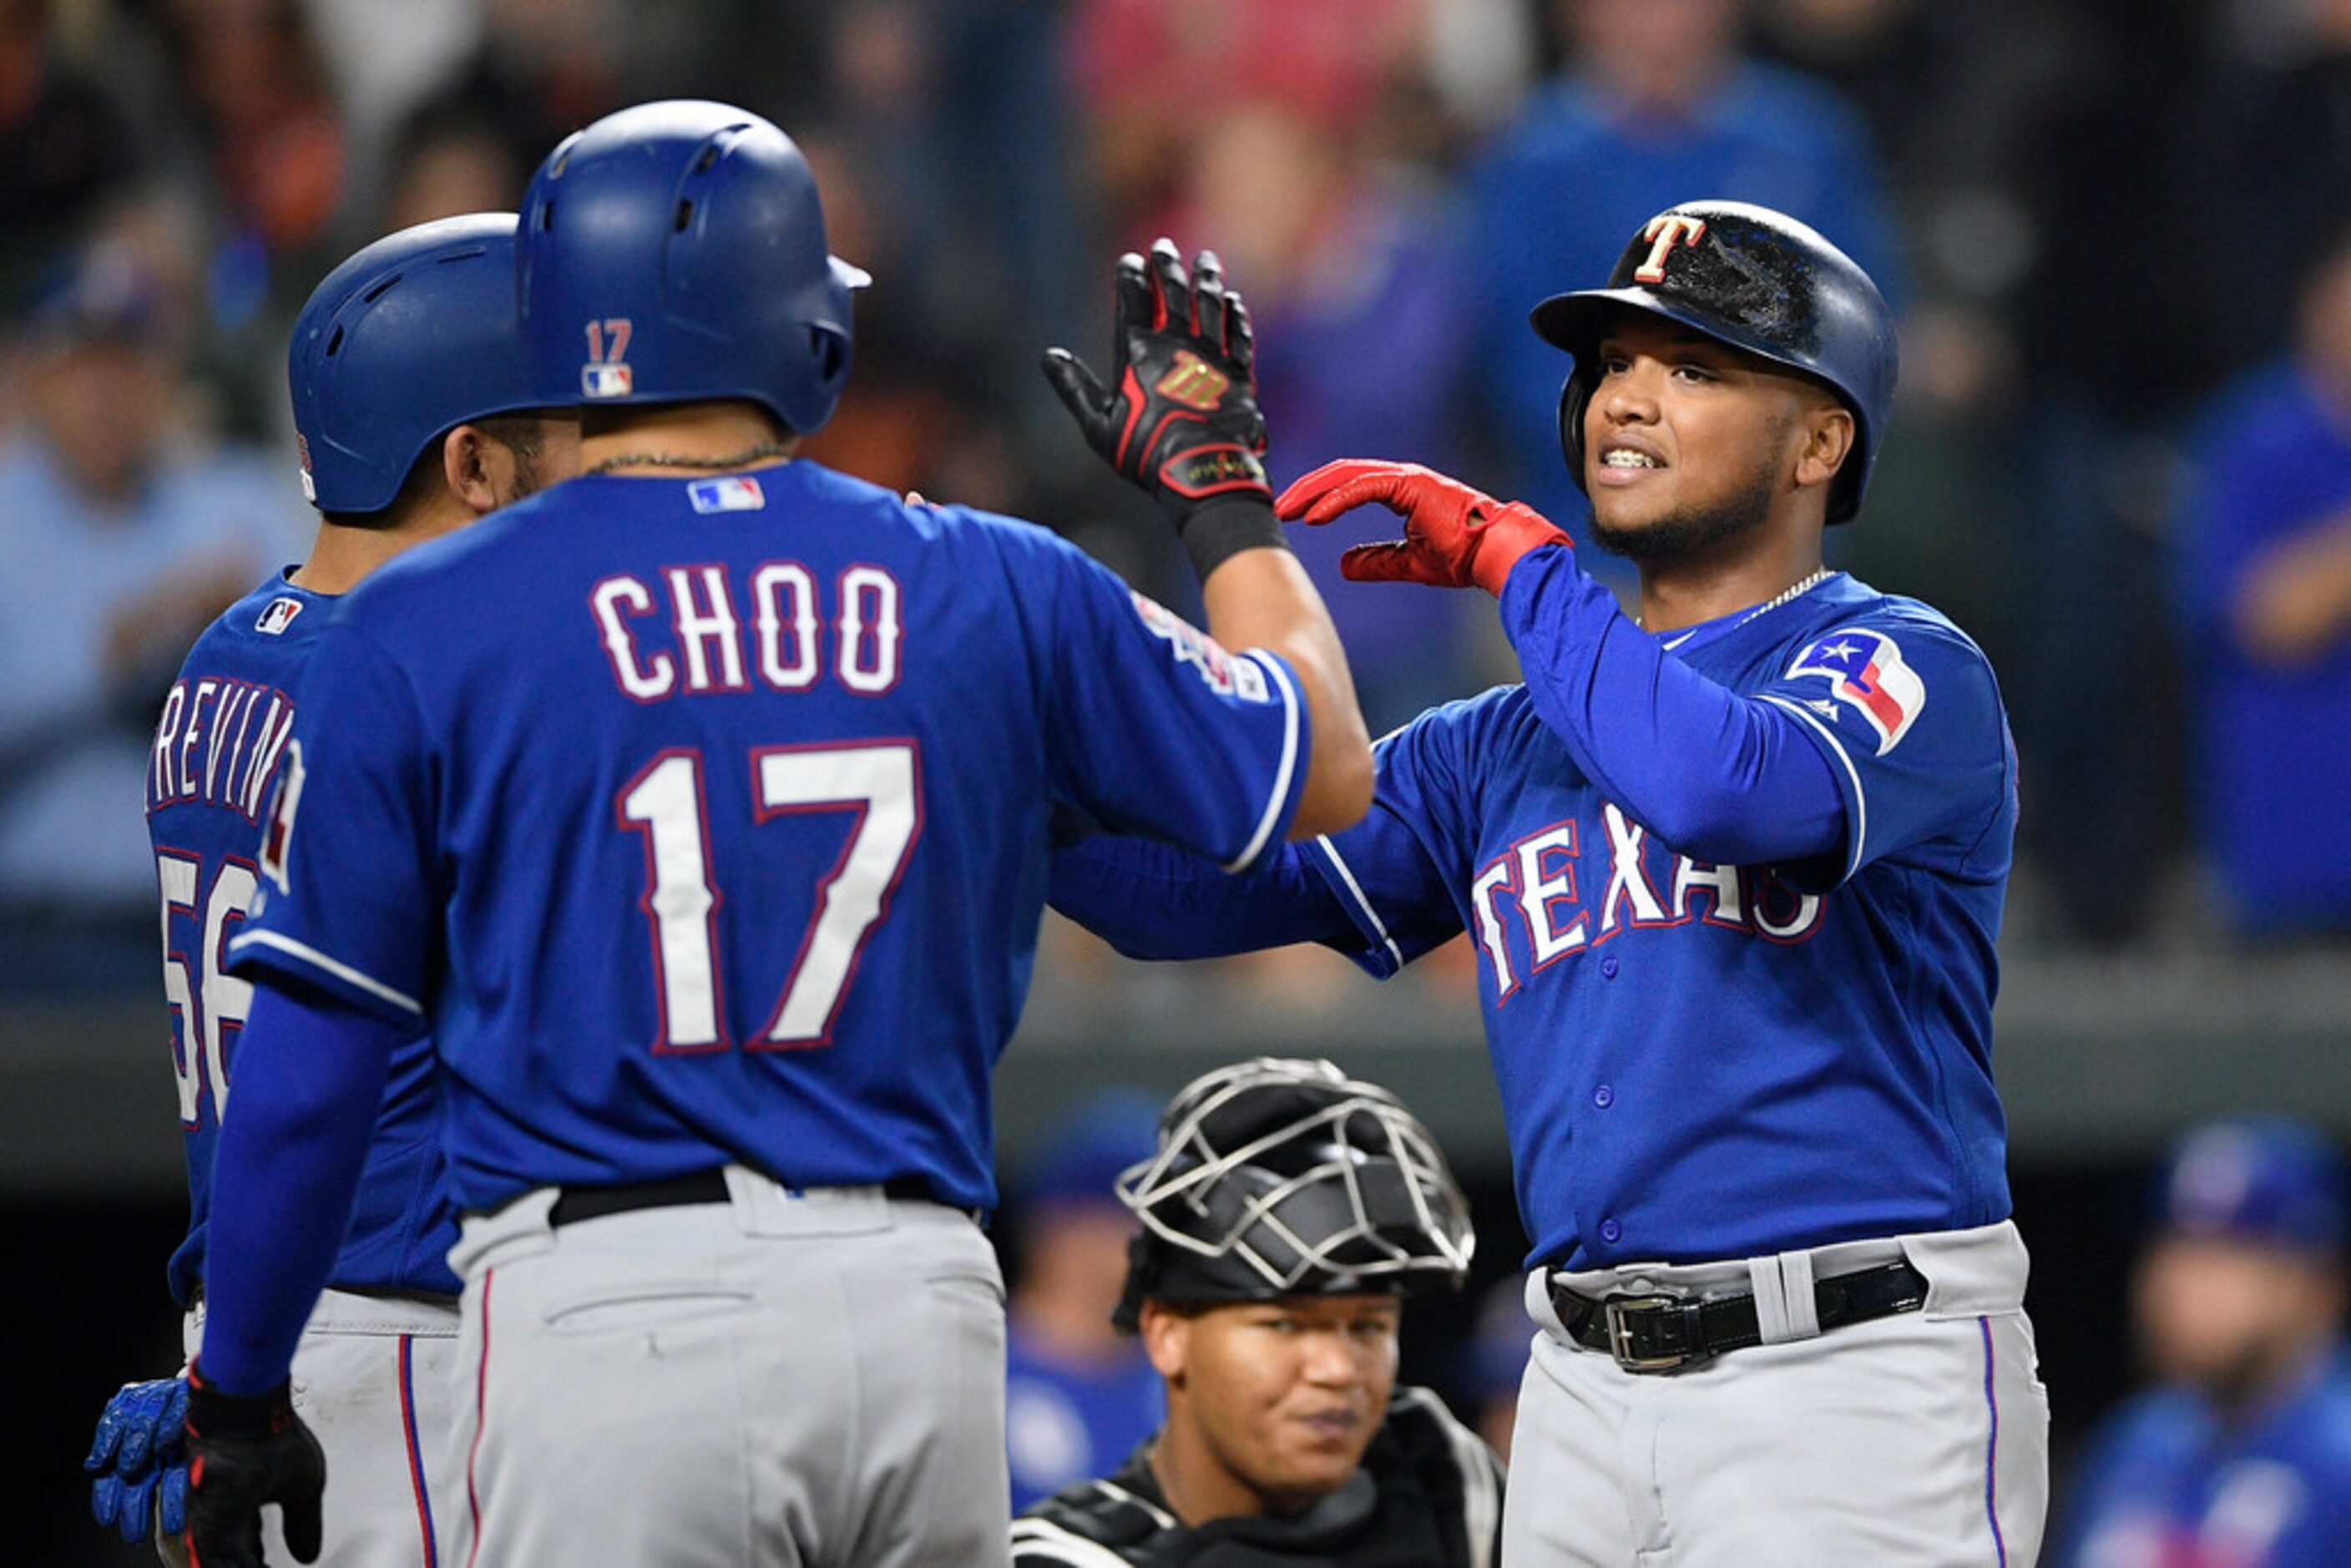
1674,1310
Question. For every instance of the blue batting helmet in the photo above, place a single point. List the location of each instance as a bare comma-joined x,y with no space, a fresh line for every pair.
1757,280
2270,1179
409,338
676,251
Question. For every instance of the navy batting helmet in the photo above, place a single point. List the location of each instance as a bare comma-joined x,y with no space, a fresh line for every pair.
1278,1177
2269,1179
409,338
1757,280
676,251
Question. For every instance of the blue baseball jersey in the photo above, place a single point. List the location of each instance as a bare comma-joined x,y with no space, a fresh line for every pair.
223,734
1067,1422
708,820
1697,1058
2168,1483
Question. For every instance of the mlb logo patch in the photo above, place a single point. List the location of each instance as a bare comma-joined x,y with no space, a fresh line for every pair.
735,493
606,381
1866,672
276,615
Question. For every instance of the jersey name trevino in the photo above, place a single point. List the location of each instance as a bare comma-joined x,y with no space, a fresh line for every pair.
216,742
787,633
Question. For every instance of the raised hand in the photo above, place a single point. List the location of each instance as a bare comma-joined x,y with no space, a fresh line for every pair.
1181,422
1453,536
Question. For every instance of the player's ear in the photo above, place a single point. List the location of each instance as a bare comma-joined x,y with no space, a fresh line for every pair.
1826,429
476,469
1167,1338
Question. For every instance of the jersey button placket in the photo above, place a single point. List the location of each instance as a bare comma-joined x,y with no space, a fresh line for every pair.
1604,1097
1608,968
1611,1232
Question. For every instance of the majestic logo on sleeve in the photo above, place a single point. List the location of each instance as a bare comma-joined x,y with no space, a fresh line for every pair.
1864,671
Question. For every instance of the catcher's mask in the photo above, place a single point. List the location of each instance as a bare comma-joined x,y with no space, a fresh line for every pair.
1280,1177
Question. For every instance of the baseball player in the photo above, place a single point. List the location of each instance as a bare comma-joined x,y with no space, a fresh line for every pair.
701,807
1285,1213
2241,1458
1733,867
409,399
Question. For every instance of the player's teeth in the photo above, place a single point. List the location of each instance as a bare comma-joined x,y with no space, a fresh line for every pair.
1625,457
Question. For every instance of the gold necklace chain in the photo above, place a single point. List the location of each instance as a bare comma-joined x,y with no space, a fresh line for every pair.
666,460
1794,591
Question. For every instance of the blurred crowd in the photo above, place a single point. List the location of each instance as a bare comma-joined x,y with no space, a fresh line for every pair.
2118,235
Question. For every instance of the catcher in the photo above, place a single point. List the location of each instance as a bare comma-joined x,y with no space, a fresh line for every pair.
1286,1213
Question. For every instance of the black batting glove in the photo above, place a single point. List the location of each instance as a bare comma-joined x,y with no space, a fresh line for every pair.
244,1452
1183,424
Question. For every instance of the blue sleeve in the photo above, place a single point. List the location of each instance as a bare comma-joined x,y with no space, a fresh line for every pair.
1380,892
309,1080
1908,716
348,900
1718,776
1150,901
1402,873
1142,699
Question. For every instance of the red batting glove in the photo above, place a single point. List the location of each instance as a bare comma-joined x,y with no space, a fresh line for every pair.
1454,536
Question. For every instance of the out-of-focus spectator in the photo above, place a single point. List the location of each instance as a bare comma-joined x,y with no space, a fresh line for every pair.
1153,75
1358,283
122,537
1656,105
1494,1361
1270,134
383,60
64,149
2266,569
451,161
918,416
268,116
2264,203
540,69
2242,1457
1079,1394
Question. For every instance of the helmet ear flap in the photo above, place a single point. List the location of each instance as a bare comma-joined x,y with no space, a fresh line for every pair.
1573,397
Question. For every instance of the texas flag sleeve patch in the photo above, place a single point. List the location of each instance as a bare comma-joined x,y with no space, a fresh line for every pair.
1866,672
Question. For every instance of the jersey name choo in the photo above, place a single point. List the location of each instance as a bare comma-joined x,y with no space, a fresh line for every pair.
691,629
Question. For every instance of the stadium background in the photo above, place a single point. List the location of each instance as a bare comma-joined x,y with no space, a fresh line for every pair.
2096,213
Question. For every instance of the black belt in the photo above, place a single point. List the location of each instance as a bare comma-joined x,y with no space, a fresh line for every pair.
1658,1334
577,1202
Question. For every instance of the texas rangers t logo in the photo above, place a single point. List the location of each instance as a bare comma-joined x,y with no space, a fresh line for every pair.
1865,671
1664,232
